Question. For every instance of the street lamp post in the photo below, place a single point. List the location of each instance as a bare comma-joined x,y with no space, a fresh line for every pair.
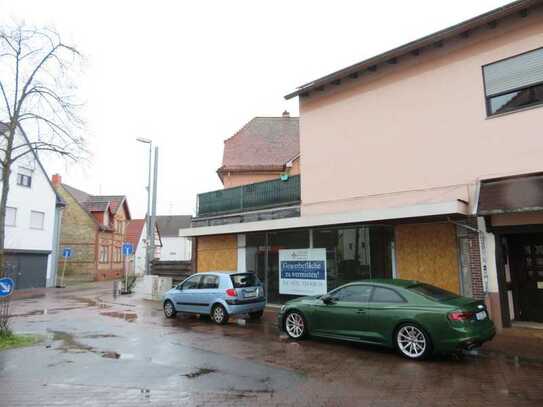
150,237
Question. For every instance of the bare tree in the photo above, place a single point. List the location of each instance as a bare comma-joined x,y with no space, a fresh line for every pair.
38,108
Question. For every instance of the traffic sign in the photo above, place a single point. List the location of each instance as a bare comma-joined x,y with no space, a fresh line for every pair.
67,252
7,285
127,249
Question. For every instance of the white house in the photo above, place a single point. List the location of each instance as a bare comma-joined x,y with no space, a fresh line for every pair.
136,233
174,247
32,223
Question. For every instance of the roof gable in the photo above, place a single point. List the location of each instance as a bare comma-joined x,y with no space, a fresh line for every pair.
98,203
134,228
59,201
264,143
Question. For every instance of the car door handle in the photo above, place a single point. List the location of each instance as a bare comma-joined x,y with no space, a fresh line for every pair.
360,311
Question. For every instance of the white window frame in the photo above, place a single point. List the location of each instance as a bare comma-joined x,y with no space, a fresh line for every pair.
32,213
14,224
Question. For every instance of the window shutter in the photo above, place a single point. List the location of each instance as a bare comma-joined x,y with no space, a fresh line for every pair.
514,73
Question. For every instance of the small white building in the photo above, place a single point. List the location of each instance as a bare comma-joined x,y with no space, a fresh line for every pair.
32,223
136,233
174,247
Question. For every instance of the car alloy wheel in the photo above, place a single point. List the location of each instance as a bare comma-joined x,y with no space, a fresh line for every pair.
169,309
412,341
295,325
219,314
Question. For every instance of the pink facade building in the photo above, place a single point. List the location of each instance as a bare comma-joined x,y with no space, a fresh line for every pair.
424,163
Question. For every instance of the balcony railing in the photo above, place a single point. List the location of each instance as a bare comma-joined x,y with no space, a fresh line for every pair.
261,195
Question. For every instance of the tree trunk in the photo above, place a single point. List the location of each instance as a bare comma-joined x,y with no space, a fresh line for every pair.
6,172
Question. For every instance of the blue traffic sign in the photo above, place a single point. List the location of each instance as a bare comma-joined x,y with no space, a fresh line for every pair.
7,285
127,249
67,252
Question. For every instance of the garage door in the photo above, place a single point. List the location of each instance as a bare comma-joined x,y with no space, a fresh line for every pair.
28,270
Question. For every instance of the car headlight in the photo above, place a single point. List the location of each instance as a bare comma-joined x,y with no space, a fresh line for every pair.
283,307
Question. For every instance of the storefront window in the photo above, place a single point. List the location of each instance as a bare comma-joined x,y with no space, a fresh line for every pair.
292,239
352,254
255,254
355,253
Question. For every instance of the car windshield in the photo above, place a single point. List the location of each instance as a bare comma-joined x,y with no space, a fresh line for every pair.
244,280
432,292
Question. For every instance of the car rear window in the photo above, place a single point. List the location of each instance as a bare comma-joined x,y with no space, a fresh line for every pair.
432,292
244,280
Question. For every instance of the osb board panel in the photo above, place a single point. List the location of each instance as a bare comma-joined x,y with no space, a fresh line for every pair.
428,253
217,253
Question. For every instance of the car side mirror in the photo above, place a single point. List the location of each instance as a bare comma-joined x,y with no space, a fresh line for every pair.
328,299
179,287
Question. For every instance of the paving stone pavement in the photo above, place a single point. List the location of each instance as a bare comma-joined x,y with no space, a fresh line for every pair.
98,350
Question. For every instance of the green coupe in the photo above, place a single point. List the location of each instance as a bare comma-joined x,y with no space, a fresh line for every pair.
415,318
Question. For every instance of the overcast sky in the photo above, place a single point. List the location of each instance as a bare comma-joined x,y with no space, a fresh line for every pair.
190,74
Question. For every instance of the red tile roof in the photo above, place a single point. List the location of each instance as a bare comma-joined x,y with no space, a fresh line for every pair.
133,231
97,203
264,143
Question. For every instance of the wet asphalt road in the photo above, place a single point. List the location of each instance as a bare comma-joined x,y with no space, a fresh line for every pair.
103,351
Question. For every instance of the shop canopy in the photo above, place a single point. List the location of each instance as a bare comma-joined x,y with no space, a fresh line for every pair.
450,208
516,194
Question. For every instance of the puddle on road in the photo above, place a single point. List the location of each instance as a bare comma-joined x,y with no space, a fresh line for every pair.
70,345
127,316
99,336
200,372
515,360
45,311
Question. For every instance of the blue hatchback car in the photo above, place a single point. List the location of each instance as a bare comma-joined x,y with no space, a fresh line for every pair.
218,295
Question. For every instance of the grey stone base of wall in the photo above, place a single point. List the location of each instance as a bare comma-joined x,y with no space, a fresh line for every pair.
255,216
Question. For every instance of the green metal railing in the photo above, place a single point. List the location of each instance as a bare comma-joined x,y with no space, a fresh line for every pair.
260,195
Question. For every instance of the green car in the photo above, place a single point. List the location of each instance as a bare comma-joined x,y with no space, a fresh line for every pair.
415,318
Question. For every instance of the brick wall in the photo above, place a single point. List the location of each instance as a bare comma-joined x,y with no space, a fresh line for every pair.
474,253
78,231
470,258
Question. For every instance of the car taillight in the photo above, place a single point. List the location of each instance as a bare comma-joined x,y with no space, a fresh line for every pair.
461,316
231,292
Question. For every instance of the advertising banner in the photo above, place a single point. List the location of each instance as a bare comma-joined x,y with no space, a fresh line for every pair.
302,271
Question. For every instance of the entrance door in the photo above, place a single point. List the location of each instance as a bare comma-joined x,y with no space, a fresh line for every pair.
527,276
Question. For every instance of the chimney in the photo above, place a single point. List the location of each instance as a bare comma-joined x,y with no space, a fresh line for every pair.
286,113
56,179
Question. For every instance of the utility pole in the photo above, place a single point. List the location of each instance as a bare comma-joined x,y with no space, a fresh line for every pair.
150,234
153,211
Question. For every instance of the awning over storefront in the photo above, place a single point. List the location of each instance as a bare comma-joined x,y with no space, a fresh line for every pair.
456,207
516,194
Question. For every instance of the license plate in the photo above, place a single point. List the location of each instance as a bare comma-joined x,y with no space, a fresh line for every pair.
251,294
481,315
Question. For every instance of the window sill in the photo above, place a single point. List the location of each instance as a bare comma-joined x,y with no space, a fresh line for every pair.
524,109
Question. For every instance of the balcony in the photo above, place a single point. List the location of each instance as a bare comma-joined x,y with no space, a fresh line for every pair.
261,195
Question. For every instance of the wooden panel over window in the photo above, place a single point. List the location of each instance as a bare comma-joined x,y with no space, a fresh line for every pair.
428,253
